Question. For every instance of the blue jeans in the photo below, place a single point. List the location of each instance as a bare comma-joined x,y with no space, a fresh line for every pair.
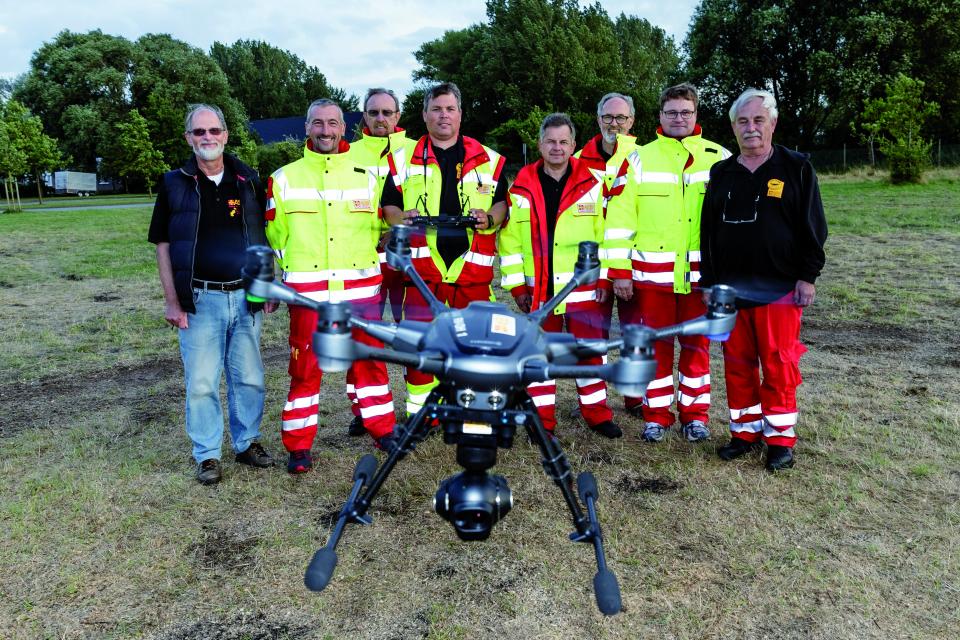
222,334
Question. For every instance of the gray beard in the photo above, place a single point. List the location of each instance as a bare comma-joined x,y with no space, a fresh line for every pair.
209,154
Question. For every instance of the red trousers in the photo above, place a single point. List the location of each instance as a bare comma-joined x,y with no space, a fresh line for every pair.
416,308
591,392
764,339
658,308
371,385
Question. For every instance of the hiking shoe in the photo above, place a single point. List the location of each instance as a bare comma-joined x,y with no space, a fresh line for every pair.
653,432
735,448
386,443
300,461
255,456
695,431
356,428
208,471
608,429
779,458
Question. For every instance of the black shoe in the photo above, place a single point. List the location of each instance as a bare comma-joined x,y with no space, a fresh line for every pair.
255,456
735,448
386,443
608,429
208,471
356,428
300,461
779,458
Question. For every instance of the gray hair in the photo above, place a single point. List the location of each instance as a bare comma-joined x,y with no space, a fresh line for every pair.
557,120
375,91
197,108
442,89
769,102
610,96
323,102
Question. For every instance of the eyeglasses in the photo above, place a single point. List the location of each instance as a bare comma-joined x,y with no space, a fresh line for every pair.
215,131
387,113
739,219
608,119
672,115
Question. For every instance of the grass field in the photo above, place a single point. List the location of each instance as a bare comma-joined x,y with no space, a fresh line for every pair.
107,534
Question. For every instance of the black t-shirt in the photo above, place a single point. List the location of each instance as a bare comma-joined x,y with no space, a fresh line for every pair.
451,243
552,191
219,251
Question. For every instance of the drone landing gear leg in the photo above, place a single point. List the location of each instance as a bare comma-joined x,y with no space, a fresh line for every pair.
324,561
555,463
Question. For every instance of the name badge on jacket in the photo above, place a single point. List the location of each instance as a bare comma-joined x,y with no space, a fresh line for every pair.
362,205
586,208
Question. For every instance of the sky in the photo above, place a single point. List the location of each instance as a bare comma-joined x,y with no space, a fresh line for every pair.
356,44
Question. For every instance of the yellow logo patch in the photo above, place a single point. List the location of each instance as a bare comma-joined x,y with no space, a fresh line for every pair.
234,207
775,188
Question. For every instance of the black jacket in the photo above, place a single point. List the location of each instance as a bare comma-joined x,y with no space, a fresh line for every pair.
182,194
762,232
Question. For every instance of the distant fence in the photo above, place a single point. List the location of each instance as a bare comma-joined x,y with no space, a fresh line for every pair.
850,157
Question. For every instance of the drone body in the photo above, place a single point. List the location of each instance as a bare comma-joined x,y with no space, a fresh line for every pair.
484,356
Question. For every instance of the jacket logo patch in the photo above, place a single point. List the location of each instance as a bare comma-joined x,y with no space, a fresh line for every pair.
775,188
234,206
586,209
484,190
362,204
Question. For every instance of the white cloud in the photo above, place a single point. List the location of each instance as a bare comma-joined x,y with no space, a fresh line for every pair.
355,44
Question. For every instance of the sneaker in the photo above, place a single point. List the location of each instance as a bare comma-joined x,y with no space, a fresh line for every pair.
654,432
735,448
208,471
386,443
696,431
300,461
356,428
255,456
608,429
779,458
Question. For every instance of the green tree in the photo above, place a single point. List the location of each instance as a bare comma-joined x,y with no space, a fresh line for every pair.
13,163
271,157
274,83
79,86
822,59
551,55
167,75
82,85
132,154
896,121
26,134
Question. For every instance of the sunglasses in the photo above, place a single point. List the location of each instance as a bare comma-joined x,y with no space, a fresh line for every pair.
387,113
215,131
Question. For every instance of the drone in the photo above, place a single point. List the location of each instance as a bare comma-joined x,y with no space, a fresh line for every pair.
483,356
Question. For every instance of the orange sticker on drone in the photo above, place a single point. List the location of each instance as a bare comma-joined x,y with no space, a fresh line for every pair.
506,325
775,188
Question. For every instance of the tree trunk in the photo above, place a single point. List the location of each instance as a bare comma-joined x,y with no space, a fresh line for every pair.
39,188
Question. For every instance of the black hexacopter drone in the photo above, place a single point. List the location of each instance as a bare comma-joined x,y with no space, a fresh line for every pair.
484,356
